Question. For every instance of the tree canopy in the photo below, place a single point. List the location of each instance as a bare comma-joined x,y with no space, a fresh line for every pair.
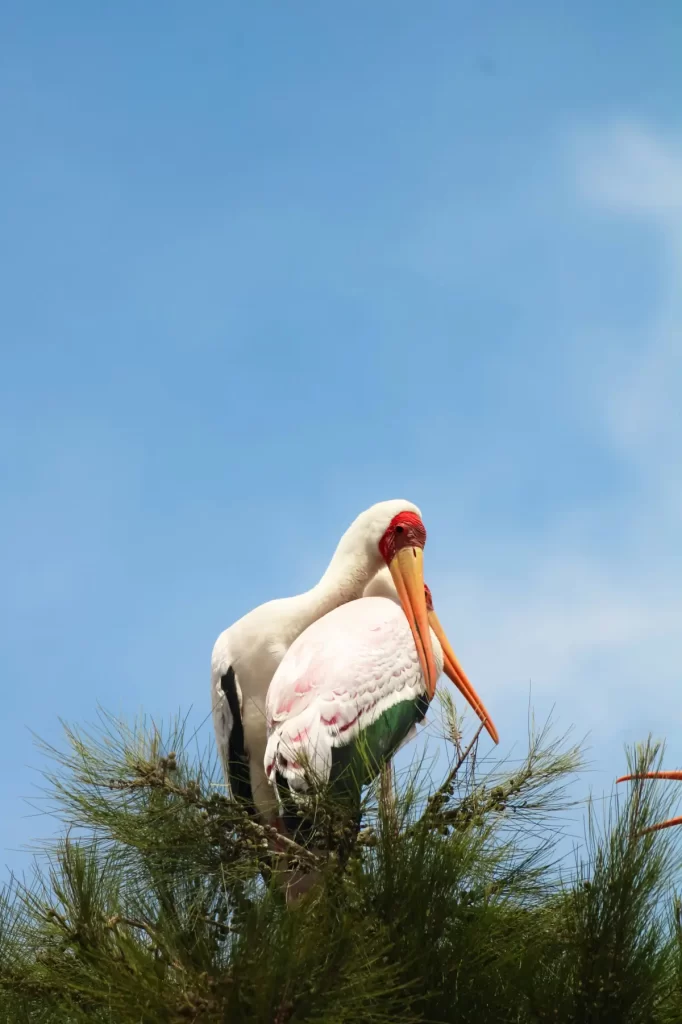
161,900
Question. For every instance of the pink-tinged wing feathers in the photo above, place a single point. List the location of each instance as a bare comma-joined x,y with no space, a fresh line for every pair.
336,678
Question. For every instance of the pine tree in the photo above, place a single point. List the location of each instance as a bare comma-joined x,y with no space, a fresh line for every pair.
160,903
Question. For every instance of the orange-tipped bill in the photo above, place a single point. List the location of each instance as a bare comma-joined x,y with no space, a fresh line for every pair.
407,570
456,674
675,776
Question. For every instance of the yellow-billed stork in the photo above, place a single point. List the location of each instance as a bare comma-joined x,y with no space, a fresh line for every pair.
246,656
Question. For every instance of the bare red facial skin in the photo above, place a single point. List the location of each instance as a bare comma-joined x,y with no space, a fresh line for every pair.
429,599
405,530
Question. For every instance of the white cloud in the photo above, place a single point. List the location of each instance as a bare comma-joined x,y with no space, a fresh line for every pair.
630,171
629,168
600,634
567,626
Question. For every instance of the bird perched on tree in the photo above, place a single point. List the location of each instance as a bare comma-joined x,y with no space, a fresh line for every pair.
246,656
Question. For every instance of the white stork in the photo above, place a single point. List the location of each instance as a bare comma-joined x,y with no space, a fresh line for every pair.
352,688
246,656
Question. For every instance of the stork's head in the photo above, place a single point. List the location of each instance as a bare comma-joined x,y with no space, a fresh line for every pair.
395,535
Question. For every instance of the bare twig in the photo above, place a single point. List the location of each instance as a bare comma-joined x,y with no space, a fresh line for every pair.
444,791
387,795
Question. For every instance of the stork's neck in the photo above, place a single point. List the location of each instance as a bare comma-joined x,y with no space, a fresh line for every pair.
345,579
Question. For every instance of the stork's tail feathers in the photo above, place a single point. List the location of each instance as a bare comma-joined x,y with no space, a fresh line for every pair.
299,750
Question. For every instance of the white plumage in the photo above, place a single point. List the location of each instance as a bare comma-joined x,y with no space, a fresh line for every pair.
346,671
246,656
336,679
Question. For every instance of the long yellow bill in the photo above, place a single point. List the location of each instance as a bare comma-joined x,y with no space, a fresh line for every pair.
456,674
407,570
675,775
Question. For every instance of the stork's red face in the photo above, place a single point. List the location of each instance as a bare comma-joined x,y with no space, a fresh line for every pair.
402,548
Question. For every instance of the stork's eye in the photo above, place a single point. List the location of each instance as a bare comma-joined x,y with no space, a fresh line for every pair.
399,529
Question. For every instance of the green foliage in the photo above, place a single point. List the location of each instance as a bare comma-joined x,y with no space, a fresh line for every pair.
614,950
163,901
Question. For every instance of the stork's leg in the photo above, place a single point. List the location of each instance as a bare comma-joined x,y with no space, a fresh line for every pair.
386,786
387,795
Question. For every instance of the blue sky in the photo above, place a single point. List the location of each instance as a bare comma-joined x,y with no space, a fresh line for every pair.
265,264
